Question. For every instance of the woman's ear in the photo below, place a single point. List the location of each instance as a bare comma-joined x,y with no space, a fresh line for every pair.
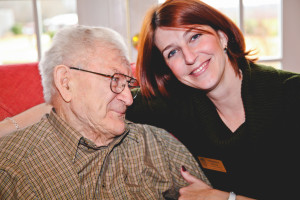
62,78
223,38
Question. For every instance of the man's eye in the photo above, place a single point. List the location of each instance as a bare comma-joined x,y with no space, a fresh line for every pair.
132,83
172,53
116,79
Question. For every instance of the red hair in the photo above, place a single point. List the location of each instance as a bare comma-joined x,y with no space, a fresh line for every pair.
152,72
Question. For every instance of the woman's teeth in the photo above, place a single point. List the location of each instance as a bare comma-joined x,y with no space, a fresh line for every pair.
200,68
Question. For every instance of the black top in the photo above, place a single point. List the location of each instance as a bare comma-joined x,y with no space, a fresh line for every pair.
258,160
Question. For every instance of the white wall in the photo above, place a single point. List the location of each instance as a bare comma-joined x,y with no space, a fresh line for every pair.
291,37
115,14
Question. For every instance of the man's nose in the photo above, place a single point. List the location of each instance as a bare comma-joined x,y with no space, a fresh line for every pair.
126,96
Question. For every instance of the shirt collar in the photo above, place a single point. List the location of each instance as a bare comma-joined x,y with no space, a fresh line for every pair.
132,133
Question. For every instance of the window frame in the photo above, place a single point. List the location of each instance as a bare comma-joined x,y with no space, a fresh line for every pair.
37,17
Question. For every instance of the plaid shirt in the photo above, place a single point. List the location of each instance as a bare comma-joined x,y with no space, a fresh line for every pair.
50,160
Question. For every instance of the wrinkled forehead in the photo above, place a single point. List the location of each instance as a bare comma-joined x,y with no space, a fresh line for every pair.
109,58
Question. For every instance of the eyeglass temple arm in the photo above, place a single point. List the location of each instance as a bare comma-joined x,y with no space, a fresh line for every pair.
91,72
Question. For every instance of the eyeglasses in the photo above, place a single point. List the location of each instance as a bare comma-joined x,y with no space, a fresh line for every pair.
118,82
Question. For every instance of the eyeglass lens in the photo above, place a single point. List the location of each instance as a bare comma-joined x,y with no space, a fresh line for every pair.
119,81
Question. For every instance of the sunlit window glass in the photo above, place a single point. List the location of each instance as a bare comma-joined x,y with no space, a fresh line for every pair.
56,14
230,8
18,38
17,35
262,27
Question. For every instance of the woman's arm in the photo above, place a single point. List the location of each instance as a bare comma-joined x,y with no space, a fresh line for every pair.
24,119
197,189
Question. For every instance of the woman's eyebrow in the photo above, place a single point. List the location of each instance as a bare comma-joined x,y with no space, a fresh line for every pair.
166,48
188,31
184,35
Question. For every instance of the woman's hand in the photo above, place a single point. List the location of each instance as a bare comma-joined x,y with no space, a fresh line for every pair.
199,190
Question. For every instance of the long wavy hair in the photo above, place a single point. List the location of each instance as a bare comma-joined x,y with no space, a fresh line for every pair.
152,72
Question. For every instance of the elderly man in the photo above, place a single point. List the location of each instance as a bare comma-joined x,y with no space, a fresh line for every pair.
84,149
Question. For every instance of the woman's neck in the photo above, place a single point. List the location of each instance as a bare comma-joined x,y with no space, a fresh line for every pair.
228,101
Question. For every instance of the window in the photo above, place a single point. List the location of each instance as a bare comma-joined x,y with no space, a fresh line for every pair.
260,21
19,20
17,35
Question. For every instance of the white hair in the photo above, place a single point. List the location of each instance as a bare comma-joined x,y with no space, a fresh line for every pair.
73,44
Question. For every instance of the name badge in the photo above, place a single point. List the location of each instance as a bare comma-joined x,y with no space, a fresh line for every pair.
212,164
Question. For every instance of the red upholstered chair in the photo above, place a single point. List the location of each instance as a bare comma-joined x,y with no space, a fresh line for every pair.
20,88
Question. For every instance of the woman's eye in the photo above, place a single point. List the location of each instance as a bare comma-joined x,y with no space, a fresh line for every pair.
194,37
172,53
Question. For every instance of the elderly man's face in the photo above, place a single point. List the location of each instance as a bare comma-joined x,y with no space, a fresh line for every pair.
95,105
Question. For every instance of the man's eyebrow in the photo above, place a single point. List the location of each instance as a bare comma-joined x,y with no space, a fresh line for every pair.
112,69
115,70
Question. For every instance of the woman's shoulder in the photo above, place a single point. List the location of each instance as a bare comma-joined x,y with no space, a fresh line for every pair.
272,72
263,76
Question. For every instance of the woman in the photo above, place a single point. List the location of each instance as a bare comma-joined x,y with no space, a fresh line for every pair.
236,117
239,119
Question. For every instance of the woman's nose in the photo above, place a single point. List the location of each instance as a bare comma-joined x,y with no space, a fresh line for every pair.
189,55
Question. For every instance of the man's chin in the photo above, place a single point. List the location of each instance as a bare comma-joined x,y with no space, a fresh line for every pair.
119,125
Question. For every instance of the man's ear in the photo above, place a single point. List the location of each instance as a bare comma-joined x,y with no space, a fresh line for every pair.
62,78
223,38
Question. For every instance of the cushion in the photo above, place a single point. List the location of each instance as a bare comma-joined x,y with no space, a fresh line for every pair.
20,88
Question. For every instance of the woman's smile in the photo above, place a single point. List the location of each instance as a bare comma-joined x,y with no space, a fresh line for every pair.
201,69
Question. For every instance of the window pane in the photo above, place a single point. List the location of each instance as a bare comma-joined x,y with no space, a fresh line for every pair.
230,8
56,14
262,27
17,30
17,35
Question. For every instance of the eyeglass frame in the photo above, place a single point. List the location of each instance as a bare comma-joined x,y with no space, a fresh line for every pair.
111,80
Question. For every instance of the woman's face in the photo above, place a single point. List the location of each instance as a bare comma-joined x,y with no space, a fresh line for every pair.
196,58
